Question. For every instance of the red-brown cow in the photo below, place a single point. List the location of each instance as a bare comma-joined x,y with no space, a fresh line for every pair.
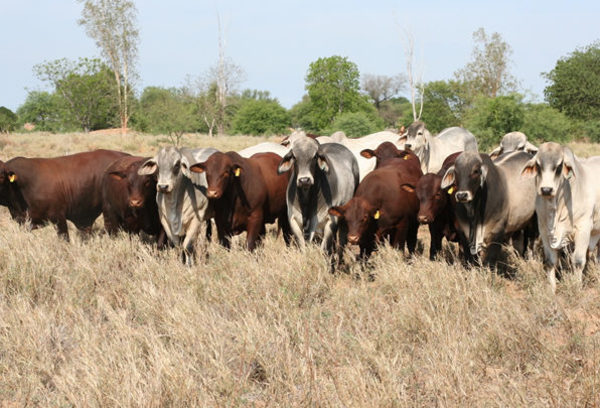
437,208
129,200
245,194
380,208
387,151
57,189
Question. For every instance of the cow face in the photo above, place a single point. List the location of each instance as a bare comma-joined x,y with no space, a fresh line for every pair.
432,199
139,188
305,158
416,137
168,165
468,175
220,170
551,165
359,216
386,151
7,177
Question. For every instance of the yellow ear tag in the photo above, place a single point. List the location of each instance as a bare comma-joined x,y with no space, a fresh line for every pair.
450,190
406,157
11,178
237,172
376,215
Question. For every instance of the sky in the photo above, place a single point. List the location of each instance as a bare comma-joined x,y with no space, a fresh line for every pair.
275,41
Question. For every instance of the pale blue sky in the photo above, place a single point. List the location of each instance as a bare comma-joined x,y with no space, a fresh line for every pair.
274,41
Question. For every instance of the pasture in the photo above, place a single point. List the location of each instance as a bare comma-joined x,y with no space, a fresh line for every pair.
114,322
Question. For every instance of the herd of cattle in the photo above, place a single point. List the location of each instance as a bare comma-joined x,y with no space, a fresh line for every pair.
328,188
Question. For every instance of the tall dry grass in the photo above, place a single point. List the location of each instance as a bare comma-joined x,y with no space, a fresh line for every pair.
113,322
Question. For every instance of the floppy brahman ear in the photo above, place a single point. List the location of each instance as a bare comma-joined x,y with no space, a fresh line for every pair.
287,162
336,211
530,168
367,153
322,163
408,188
285,142
148,167
530,148
449,178
403,138
198,167
496,152
568,163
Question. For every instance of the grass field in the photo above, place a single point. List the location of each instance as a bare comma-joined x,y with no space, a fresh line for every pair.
113,322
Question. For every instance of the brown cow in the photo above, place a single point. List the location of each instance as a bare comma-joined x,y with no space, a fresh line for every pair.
245,194
129,200
57,189
387,151
381,208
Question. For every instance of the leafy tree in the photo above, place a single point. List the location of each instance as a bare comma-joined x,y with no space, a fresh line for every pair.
444,106
393,111
8,120
488,73
46,111
166,111
305,115
112,25
261,116
381,88
86,87
575,84
333,87
355,124
492,118
543,123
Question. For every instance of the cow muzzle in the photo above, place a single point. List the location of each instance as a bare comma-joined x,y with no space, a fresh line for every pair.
425,219
213,193
136,203
163,188
546,191
304,182
463,196
353,239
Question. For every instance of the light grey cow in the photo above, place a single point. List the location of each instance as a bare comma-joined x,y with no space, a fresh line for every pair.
323,176
493,200
567,205
514,141
264,148
182,203
433,150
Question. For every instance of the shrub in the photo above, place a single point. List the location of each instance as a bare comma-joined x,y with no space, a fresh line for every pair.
355,124
260,117
7,119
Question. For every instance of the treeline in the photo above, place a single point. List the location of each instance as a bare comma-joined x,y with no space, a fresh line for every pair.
482,97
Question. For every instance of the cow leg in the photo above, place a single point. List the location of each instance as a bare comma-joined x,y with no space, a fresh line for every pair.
254,229
411,236
62,229
297,231
329,233
208,230
579,257
342,240
550,259
286,230
436,240
161,239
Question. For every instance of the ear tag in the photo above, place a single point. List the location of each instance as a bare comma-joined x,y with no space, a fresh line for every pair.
376,215
237,172
406,157
11,178
450,190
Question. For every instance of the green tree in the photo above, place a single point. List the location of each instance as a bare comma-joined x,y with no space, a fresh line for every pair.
542,123
47,111
112,25
355,124
445,104
488,73
575,84
87,89
260,117
166,111
8,120
333,87
492,118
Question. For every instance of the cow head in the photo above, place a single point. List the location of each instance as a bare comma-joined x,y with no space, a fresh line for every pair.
168,165
468,175
511,142
220,169
432,198
415,137
359,214
7,177
386,151
139,187
306,158
551,165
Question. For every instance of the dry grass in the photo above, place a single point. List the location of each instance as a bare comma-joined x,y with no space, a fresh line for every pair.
113,322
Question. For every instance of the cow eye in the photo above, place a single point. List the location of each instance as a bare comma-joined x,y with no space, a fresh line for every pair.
176,168
559,169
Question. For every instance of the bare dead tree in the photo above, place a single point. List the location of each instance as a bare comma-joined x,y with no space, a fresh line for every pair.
381,88
416,85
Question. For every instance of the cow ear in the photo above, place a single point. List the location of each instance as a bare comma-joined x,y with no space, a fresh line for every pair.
496,152
408,188
198,167
322,162
117,175
285,142
403,138
449,178
568,163
530,148
148,167
237,170
336,211
484,171
530,168
367,153
286,163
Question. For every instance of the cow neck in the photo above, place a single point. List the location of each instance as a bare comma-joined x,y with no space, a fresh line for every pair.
309,201
16,203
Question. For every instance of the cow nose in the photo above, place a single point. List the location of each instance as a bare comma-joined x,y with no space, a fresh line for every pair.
212,193
546,191
423,219
461,196
162,188
304,182
135,202
353,239
407,145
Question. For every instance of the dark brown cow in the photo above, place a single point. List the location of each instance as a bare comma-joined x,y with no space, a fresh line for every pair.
437,208
129,200
387,151
245,194
57,189
380,208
